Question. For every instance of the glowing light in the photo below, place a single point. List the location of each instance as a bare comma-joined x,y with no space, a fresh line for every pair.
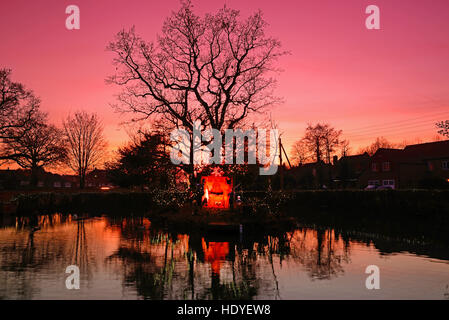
217,191
215,253
105,188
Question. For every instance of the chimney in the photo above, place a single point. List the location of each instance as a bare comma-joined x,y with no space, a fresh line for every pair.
335,160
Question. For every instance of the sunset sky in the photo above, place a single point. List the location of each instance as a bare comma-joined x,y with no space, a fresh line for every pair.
392,82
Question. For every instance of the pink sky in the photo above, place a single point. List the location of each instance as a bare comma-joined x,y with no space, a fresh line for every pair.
392,82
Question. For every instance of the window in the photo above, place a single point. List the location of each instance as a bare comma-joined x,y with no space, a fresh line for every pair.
445,164
385,166
373,183
388,182
430,166
374,167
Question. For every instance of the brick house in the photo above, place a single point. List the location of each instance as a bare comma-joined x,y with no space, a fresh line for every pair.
21,179
419,165
98,178
311,175
348,170
434,156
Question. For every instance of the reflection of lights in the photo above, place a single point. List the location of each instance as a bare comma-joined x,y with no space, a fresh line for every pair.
217,191
105,188
215,253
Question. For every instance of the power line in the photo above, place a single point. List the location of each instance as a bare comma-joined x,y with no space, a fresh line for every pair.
408,124
394,123
371,137
421,124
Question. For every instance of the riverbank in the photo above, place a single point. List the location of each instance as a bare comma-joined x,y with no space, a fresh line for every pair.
258,208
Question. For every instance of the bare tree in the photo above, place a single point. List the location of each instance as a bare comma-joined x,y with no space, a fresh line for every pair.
36,146
86,144
345,148
444,128
217,69
321,140
300,153
331,139
313,140
380,142
17,106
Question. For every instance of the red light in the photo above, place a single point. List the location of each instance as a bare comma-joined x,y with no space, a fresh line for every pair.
216,192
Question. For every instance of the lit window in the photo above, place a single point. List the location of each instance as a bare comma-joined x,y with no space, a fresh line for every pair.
385,166
374,167
445,164
388,182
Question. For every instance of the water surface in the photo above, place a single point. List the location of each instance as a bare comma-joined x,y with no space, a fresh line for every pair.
128,258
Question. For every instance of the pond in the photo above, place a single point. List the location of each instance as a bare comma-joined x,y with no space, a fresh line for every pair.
129,258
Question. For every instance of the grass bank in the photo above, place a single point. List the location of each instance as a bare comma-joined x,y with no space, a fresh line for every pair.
345,204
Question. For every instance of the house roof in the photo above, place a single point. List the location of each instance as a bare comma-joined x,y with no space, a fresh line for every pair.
388,154
431,150
357,156
415,152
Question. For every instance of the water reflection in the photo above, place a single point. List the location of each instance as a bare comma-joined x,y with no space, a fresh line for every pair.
128,258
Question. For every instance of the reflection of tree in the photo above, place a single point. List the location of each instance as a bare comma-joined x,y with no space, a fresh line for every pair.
148,260
271,244
242,285
319,252
160,265
164,266
27,251
40,247
80,252
170,266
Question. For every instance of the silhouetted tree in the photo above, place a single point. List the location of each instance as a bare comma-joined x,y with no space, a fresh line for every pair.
380,142
86,144
216,69
321,140
331,138
314,141
300,153
345,148
145,161
36,146
17,106
444,128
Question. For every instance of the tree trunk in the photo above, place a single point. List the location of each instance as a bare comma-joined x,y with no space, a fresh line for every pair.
318,151
33,181
82,181
191,168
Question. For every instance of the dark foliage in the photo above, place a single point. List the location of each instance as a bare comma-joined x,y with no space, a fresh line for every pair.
143,163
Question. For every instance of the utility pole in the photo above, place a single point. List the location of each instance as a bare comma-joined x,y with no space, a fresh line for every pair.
281,173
